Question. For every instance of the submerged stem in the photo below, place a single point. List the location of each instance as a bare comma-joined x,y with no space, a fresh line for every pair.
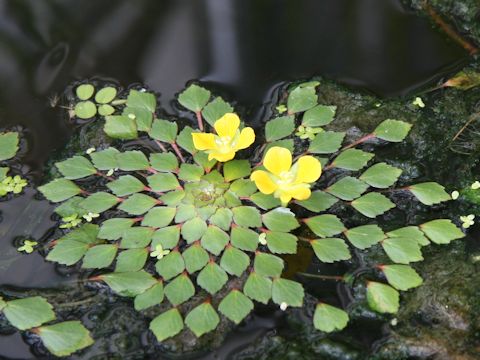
199,120
177,151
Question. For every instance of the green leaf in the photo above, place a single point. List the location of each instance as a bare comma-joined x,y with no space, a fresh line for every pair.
168,237
193,229
59,190
99,257
202,319
71,207
347,188
258,288
185,212
381,175
65,338
85,109
67,252
29,312
402,250
163,182
8,145
235,306
132,160
142,100
441,231
164,130
363,237
234,261
190,172
280,219
142,117
167,324
268,265
105,95
279,128
194,98
99,202
429,193
87,233
281,243
195,258
105,159
171,265
243,187
410,232
244,239
330,250
166,162
329,318
325,225
215,110
318,201
159,216
264,201
214,240
120,127
382,298
285,143
236,169
301,98
247,216
85,91
287,291
179,290
319,115
129,283
201,158
401,277
392,130
352,159
185,140
3,175
372,204
136,237
212,278
149,298
222,218
76,167
326,142
112,229
106,109
131,260
137,204
126,185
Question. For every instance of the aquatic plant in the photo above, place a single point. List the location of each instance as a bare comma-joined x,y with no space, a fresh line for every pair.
8,149
31,313
190,219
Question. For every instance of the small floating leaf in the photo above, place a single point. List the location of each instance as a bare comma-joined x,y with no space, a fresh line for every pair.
330,250
288,292
279,128
258,288
215,110
76,167
402,250
280,219
120,127
247,216
325,225
142,100
68,252
320,115
105,95
372,204
190,172
234,261
129,283
244,239
125,185
137,204
85,91
65,338
392,130
194,98
382,298
441,231
412,232
159,216
195,258
329,318
235,306
136,237
222,218
112,229
132,160
318,201
401,277
281,242
164,130
163,182
149,298
167,324
29,312
106,109
212,278
214,240
166,162
59,190
99,256
268,265
131,260
193,229
326,142
347,188
85,109
301,98
105,159
381,175
202,319
365,236
236,169
429,193
170,265
185,140
264,201
352,159
179,290
98,202
8,145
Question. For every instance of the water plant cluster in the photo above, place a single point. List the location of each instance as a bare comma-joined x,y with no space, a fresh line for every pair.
8,149
197,218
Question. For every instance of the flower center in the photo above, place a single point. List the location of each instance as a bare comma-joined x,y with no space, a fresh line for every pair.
223,143
285,179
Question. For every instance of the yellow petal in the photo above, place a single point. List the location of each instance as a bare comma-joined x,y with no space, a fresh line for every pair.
263,181
299,192
203,141
245,139
222,157
285,199
277,160
308,169
227,125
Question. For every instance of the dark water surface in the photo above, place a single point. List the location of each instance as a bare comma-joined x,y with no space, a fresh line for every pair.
242,48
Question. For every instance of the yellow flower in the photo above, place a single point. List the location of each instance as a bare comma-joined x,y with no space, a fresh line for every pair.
282,179
229,139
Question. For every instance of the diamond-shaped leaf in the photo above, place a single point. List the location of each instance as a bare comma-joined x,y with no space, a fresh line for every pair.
441,231
214,240
138,204
164,130
159,216
215,109
318,201
382,298
161,182
132,160
301,98
247,216
392,130
125,185
8,145
352,159
194,98
76,167
236,169
381,175
150,297
235,306
280,219
401,277
268,265
164,162
68,252
412,232
364,236
347,188
105,159
28,312
320,115
402,250
202,319
212,278
185,140
142,100
326,142
195,258
264,201
372,204
244,239
129,283
59,190
168,237
194,229
190,172
99,202
331,249
136,237
120,127
329,318
179,290
170,265
288,292
281,243
325,225
258,288
429,193
234,261
222,218
65,338
279,128
131,260
112,229
99,256
167,324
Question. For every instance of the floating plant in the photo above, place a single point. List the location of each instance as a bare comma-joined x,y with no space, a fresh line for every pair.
203,216
8,149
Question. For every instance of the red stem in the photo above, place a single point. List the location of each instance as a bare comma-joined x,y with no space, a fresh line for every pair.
199,120
177,151
359,141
